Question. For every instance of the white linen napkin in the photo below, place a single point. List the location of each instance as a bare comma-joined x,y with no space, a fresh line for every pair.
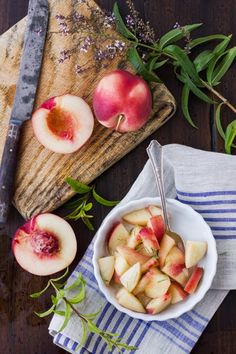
206,181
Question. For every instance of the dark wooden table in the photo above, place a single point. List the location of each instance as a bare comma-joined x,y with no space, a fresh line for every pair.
20,331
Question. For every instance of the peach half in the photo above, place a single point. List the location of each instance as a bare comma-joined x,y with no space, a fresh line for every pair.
122,101
63,124
44,245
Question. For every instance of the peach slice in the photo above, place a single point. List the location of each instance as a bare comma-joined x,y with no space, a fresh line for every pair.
194,252
134,239
155,211
122,101
119,236
44,245
128,300
158,285
144,299
121,265
156,223
194,280
63,124
152,262
131,255
138,217
159,304
177,293
142,284
149,240
177,272
166,244
106,266
175,256
131,277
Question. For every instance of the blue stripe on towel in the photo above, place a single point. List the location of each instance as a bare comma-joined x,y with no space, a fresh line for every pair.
216,211
109,319
66,341
220,219
225,237
100,318
206,202
174,331
178,323
142,335
58,337
200,316
134,331
205,194
170,339
190,321
74,346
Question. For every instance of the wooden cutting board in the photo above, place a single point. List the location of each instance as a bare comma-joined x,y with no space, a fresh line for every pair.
40,176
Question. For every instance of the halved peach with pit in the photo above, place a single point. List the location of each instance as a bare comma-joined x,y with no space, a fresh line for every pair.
44,245
63,124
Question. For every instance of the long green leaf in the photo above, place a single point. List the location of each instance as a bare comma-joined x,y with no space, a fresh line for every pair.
230,135
103,201
181,57
184,105
223,67
39,293
79,297
218,121
197,92
139,66
76,203
77,186
88,223
202,60
176,34
45,313
84,335
155,64
211,67
201,40
221,47
62,276
121,25
66,318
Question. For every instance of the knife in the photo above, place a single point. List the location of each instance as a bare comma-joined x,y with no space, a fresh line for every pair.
24,98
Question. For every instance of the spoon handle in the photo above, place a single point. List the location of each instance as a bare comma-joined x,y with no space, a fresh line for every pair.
155,154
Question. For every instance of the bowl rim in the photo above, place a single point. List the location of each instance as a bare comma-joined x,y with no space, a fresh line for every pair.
103,288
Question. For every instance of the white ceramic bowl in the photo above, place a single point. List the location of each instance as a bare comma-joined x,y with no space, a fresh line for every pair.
187,223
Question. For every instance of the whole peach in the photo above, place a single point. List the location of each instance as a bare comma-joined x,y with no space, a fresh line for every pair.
122,101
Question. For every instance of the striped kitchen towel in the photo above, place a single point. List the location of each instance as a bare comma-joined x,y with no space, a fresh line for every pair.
206,181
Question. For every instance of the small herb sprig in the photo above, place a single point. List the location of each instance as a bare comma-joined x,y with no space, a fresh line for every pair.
63,298
82,205
199,74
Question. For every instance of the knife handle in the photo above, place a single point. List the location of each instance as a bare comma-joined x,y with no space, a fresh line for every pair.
7,170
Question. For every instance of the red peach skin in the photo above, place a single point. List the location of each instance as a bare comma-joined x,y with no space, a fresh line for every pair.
194,280
122,101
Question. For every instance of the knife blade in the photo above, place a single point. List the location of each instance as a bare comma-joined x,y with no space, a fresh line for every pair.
26,88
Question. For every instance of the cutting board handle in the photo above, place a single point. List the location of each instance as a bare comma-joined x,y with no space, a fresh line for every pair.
7,170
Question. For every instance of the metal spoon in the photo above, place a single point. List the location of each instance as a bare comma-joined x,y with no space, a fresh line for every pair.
155,154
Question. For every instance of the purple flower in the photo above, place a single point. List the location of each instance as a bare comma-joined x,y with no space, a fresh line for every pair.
109,21
78,69
64,55
130,21
87,43
176,25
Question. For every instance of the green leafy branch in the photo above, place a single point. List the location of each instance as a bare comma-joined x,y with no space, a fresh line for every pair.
63,298
82,205
199,74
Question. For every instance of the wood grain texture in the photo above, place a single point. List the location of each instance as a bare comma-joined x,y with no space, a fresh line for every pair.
40,181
